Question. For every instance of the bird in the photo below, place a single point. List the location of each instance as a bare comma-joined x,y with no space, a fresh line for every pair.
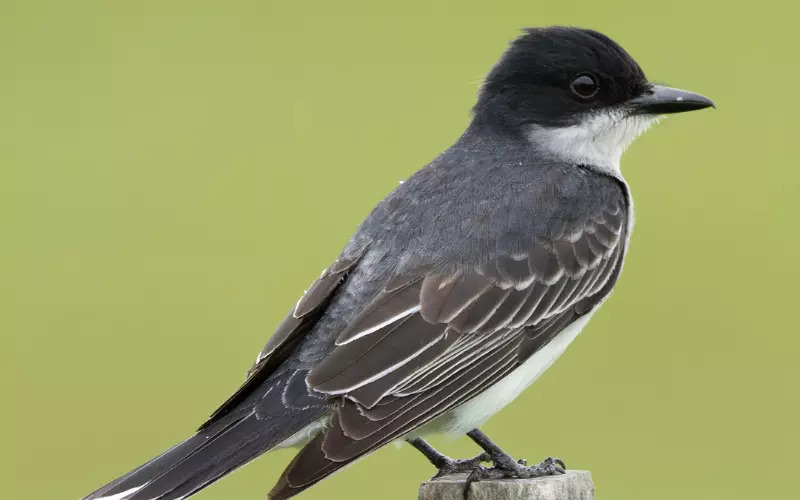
457,291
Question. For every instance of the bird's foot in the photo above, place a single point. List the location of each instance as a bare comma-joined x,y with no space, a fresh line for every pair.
510,469
447,465
506,468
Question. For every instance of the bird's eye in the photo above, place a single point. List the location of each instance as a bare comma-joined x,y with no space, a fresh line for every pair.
584,86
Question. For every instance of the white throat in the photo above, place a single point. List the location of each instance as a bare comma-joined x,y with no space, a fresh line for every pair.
599,139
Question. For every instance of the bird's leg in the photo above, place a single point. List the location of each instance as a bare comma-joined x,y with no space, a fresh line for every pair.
445,464
507,467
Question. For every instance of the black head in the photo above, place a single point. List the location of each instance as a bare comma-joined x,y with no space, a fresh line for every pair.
554,76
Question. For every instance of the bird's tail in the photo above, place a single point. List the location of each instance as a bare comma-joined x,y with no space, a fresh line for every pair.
222,447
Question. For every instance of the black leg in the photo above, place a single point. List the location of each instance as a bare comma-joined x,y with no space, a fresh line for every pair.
445,464
507,467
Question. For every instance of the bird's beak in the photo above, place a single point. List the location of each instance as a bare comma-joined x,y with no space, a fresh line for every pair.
660,100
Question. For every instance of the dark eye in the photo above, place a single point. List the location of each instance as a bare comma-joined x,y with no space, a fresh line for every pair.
584,86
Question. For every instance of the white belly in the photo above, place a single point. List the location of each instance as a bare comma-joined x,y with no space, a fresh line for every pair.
475,412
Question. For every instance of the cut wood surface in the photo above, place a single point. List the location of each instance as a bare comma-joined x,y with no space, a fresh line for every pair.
574,485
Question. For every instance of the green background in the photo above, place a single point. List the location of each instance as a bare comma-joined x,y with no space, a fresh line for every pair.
173,174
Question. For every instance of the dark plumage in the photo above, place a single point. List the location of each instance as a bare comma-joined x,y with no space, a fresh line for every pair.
455,282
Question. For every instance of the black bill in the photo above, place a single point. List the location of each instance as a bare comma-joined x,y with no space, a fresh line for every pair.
661,100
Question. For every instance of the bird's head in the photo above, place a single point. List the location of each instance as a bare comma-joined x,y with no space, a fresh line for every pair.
576,93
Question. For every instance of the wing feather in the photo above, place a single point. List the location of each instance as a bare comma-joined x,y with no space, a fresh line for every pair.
389,306
444,297
480,311
508,309
369,358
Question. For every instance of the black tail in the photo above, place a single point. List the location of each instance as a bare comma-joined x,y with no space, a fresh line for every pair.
266,410
227,444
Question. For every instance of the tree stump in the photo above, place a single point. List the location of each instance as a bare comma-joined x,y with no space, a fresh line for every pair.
574,485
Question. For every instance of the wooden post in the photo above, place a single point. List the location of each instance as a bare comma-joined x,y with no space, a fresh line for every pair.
574,485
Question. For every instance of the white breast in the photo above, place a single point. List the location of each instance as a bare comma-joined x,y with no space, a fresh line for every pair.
475,412
599,139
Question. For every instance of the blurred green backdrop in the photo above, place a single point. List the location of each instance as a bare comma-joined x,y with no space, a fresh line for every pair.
169,175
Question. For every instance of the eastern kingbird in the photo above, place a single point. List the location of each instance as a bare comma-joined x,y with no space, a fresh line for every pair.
457,291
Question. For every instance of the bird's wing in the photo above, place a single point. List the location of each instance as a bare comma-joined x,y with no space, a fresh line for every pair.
430,341
290,332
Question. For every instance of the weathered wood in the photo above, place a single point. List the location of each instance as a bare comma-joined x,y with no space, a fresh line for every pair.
574,485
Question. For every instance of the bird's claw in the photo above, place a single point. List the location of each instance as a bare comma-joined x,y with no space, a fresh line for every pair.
450,466
557,461
506,468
